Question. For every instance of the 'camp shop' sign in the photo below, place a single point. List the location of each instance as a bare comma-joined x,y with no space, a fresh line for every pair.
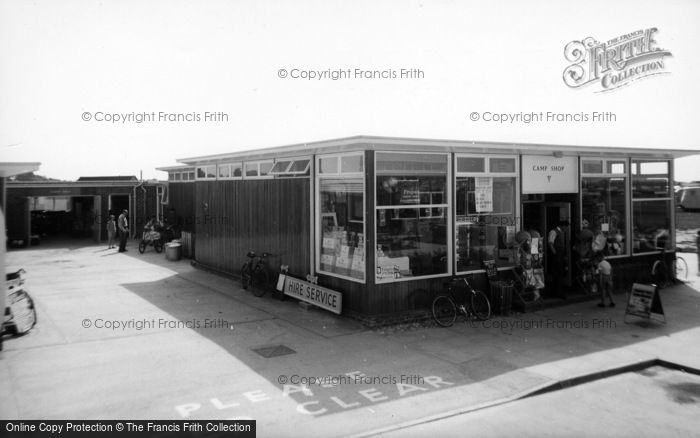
314,294
548,174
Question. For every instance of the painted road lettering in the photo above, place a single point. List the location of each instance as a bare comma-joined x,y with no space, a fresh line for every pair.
321,399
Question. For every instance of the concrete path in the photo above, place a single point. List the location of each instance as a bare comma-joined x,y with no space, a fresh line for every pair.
131,336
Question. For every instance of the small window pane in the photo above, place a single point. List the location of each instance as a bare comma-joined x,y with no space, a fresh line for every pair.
328,165
299,166
201,173
391,163
265,168
280,167
471,164
502,165
236,170
224,171
171,176
592,166
177,176
616,167
352,164
251,169
191,176
211,171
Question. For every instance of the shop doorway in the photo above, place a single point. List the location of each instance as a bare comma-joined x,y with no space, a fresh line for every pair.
542,213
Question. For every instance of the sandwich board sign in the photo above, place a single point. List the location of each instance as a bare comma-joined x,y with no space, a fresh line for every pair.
644,301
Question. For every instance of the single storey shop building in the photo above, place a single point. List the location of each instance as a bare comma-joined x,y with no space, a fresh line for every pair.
385,221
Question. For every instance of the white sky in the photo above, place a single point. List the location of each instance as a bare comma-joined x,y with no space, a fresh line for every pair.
60,59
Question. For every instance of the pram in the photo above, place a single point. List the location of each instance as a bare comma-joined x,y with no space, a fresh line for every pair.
151,238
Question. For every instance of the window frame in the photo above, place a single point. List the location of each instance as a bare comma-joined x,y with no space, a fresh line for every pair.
449,223
486,173
204,167
292,160
627,175
317,211
669,199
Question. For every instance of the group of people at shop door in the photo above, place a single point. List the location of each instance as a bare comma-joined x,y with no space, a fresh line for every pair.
530,252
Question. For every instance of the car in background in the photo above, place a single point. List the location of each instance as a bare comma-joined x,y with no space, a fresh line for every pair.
689,198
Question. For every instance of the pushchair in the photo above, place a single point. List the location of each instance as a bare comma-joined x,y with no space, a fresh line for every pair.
151,238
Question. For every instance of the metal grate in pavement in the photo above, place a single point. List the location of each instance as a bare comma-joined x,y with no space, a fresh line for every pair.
274,351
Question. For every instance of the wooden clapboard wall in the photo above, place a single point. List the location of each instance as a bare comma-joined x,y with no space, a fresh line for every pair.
233,217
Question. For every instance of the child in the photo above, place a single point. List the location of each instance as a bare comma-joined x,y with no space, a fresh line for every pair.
606,282
111,231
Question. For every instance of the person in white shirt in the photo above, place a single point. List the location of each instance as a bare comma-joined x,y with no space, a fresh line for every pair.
606,283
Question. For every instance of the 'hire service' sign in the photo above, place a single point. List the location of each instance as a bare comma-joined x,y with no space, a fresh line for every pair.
312,293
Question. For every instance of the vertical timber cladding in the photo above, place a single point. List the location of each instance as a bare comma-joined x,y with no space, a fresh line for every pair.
233,217
181,198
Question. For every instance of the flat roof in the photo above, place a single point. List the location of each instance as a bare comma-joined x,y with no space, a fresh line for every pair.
364,142
11,169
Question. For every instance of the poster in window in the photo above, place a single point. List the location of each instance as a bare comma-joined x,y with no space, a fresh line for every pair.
483,194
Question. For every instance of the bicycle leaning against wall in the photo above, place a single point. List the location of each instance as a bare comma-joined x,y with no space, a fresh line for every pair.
460,296
668,269
254,272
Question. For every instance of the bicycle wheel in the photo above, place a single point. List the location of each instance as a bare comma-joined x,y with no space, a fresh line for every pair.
680,268
142,246
444,310
260,281
158,245
658,274
480,305
246,278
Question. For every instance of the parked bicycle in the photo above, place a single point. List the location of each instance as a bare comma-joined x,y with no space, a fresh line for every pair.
460,296
668,269
255,273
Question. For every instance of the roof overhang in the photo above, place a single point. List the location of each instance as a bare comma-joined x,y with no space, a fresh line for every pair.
351,144
11,169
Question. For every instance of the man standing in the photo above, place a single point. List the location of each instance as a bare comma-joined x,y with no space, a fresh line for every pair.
557,257
123,224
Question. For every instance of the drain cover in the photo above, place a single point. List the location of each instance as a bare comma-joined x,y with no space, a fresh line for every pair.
274,351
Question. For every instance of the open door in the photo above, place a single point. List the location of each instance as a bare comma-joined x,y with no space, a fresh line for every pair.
553,213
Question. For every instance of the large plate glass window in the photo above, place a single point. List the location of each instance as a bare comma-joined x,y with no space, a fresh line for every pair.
651,205
485,220
412,204
341,217
604,204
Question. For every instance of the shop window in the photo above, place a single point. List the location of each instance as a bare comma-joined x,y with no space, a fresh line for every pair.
592,166
351,164
341,223
471,164
411,216
650,179
651,226
251,169
280,166
328,165
604,211
501,165
299,167
651,206
296,167
224,171
485,221
206,172
256,169
265,168
617,167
